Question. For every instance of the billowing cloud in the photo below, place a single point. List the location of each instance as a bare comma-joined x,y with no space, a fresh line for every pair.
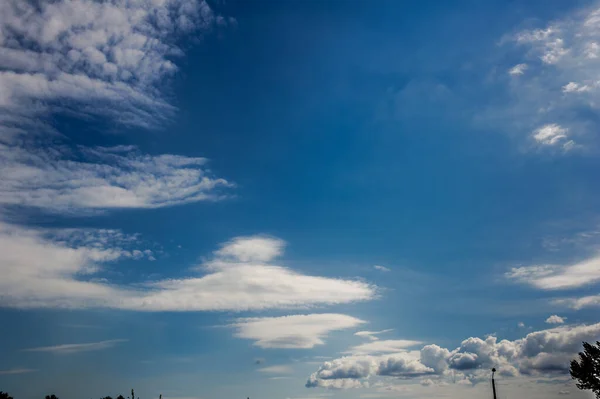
554,277
102,178
358,368
43,270
539,353
297,331
65,349
555,319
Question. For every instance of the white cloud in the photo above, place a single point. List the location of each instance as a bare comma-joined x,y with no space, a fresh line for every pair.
554,277
252,249
518,69
560,86
102,178
16,371
93,57
579,303
40,271
573,87
385,346
554,319
372,335
552,135
278,369
358,368
381,268
521,324
540,353
76,348
297,331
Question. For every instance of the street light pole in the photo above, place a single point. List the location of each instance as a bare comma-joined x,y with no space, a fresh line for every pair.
493,383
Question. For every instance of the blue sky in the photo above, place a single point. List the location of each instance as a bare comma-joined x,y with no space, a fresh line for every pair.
297,199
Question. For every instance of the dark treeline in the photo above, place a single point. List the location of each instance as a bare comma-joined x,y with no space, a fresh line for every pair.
5,395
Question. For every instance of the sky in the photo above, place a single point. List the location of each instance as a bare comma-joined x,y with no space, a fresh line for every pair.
298,199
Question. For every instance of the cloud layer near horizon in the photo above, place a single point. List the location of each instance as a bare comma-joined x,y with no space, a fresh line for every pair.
539,353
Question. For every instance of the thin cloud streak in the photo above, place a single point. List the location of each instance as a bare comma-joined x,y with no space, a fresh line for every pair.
65,349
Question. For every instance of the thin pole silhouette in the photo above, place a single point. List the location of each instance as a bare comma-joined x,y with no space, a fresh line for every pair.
493,383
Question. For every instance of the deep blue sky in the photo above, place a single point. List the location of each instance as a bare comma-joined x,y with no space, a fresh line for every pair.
360,134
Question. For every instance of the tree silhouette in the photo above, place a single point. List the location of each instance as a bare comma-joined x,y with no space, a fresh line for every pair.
107,397
120,397
53,396
587,370
5,395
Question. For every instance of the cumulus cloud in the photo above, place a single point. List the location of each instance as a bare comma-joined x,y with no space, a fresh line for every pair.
357,368
539,353
372,335
554,319
554,277
94,57
40,270
65,349
58,180
297,331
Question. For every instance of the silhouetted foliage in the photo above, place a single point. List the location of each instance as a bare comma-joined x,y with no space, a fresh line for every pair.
53,396
5,395
587,370
133,395
120,397
107,397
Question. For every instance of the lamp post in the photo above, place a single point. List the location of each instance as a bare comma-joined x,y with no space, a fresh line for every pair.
493,383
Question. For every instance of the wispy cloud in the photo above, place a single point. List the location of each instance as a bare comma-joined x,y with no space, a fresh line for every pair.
278,369
90,57
16,371
372,335
384,346
40,271
65,349
102,178
554,277
518,69
381,268
297,331
554,87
